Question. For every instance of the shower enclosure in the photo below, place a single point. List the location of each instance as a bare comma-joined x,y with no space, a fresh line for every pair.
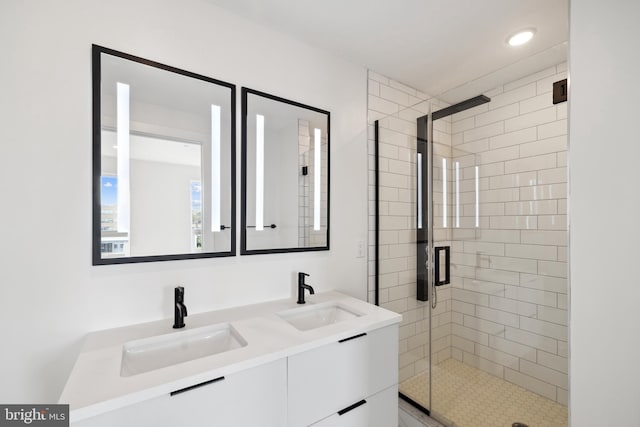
471,249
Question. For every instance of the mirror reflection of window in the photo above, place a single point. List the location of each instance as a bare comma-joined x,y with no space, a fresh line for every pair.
114,243
196,215
161,212
109,198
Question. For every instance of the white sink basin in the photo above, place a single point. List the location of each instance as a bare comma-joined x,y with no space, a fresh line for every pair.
316,316
160,351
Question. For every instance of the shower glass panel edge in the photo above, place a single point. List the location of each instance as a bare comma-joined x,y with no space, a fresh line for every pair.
395,231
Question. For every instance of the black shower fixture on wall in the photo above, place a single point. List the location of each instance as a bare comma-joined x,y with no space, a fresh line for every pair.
460,106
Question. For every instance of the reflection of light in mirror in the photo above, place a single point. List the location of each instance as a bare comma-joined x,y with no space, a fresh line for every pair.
419,190
215,168
122,138
444,192
457,194
477,198
316,178
259,172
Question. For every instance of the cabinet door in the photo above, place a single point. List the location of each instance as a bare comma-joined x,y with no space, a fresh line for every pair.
380,410
254,397
325,380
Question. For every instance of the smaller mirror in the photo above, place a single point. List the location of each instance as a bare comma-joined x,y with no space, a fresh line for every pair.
163,162
285,175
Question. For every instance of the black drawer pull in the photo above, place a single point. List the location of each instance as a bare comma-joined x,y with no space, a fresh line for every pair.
191,387
353,337
352,407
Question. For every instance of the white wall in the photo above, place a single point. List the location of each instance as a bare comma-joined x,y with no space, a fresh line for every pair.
51,294
604,148
161,208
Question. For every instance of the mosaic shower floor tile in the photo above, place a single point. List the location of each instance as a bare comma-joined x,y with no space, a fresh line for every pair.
468,397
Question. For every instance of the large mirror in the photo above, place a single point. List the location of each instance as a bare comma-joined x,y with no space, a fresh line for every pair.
285,175
163,162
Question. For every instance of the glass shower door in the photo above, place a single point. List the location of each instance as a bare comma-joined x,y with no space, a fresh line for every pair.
487,345
497,332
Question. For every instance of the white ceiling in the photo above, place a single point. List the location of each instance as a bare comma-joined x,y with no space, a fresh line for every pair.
436,46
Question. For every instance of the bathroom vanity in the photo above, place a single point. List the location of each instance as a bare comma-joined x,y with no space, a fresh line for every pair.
330,362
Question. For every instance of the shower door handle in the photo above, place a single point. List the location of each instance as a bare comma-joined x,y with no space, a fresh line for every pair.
447,265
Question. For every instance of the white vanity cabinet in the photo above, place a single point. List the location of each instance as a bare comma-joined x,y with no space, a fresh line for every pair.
327,380
253,397
343,372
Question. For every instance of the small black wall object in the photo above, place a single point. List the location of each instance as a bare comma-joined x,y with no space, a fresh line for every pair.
305,170
560,91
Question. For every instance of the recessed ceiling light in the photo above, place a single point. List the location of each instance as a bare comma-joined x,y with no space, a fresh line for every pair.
521,37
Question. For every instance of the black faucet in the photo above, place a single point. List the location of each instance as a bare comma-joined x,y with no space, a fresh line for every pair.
179,309
302,286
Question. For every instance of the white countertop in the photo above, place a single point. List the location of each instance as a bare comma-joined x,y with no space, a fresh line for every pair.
95,385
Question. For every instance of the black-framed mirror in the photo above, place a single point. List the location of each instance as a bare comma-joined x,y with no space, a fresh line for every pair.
285,175
163,162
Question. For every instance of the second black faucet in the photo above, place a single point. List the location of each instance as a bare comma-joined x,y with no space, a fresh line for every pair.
302,286
179,309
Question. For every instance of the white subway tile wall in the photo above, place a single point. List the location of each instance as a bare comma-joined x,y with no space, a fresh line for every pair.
505,311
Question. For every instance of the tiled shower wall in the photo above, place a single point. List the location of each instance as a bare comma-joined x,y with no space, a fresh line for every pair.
505,311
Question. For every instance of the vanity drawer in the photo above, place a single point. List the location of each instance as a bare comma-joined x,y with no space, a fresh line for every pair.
379,410
325,380
253,397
